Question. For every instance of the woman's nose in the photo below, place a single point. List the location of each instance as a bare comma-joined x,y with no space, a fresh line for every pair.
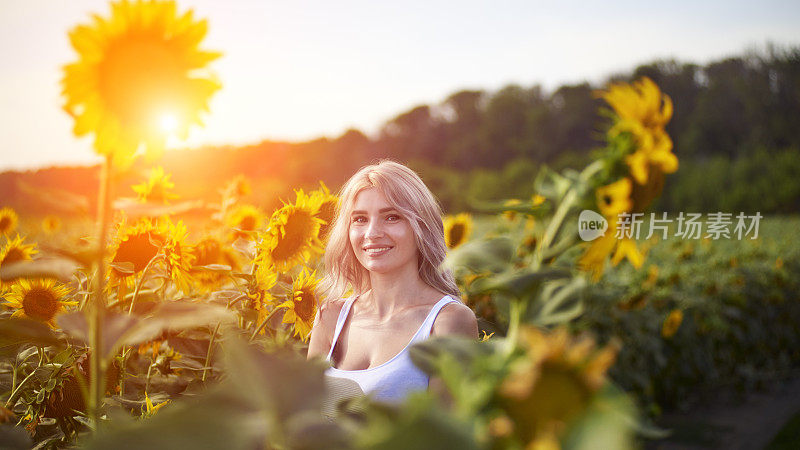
374,230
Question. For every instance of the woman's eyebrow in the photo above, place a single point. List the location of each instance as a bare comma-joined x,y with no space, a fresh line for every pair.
382,210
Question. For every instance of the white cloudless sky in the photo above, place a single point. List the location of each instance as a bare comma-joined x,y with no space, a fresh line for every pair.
298,70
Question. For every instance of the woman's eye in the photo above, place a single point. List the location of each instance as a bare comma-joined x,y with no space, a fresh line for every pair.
359,219
393,218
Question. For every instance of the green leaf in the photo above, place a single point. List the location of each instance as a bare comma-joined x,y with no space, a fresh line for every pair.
551,184
14,438
19,331
559,302
49,267
215,267
134,208
123,267
122,329
518,283
418,423
483,255
281,382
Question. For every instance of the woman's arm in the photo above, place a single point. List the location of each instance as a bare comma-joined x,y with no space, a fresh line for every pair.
322,332
455,319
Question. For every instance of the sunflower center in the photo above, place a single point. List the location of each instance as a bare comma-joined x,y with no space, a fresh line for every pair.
138,250
207,252
558,396
298,228
304,305
40,304
14,255
5,223
138,76
247,223
456,234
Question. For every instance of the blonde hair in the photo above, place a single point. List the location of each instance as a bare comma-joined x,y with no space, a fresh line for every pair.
406,192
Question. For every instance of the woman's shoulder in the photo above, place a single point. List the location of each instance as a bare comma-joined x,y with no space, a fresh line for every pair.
329,311
331,308
455,318
324,326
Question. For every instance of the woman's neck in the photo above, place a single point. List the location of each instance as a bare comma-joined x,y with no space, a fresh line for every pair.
395,291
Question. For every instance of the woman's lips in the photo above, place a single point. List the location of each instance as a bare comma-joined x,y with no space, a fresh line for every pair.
375,251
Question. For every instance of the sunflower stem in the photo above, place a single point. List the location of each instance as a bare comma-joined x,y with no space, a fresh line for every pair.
97,308
515,314
149,375
262,324
140,281
208,352
15,392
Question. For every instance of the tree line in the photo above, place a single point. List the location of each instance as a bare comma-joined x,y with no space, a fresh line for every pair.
488,143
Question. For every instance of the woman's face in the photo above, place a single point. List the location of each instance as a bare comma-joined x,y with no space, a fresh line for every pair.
381,238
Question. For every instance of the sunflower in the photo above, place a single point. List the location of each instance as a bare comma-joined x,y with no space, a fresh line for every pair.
612,200
211,250
327,209
245,219
259,296
672,323
653,148
38,299
302,304
136,244
511,214
139,243
643,112
157,188
239,186
16,250
457,229
51,224
8,220
293,234
138,71
640,101
594,258
151,410
553,382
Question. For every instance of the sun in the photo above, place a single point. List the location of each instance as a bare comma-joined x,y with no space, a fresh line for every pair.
132,63
168,123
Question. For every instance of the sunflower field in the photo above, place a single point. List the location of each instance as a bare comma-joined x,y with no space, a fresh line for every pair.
154,328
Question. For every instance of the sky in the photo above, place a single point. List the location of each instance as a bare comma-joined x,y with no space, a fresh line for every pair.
297,70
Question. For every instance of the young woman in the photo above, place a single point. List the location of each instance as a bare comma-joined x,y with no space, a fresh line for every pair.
386,246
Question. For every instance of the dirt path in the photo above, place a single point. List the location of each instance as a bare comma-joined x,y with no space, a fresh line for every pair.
732,425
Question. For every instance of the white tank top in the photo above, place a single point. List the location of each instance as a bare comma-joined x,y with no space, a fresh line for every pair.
391,381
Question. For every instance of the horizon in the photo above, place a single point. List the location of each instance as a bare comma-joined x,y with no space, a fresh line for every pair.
295,73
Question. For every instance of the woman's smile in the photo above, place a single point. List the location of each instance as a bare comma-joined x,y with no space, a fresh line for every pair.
373,251
380,236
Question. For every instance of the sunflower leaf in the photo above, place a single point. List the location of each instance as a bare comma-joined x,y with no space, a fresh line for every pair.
519,283
122,329
51,267
215,267
123,267
483,255
18,331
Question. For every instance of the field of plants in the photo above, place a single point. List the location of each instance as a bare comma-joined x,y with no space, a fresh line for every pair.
171,322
